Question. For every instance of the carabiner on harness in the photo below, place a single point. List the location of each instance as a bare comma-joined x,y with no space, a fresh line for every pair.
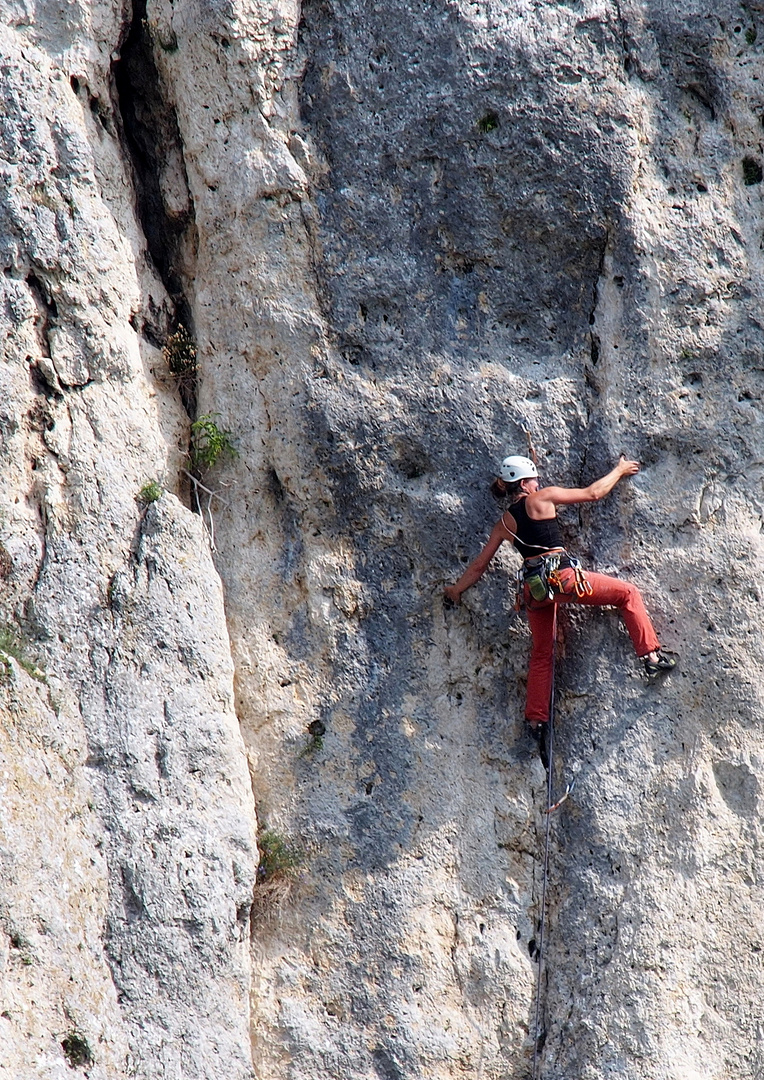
519,590
555,582
582,585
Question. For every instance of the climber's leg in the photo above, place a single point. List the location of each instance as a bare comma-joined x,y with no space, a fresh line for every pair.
541,667
612,592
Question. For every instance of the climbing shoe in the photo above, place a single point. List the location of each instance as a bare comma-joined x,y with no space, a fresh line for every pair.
657,667
540,735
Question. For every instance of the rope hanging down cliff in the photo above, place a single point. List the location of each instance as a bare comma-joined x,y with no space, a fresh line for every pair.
545,871
550,809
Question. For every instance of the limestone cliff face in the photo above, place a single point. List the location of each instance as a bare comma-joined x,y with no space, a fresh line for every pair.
402,236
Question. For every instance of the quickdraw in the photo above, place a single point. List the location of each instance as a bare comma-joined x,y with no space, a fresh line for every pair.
519,590
558,804
582,585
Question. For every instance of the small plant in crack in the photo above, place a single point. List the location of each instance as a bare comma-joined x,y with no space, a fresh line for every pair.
277,872
279,857
209,443
13,645
180,355
316,732
77,1050
488,123
150,492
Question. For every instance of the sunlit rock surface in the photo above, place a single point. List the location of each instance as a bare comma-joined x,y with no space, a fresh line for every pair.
405,238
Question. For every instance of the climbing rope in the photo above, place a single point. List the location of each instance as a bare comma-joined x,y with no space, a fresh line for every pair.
550,808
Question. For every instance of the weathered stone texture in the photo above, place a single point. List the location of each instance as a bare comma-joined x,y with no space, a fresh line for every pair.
127,823
404,236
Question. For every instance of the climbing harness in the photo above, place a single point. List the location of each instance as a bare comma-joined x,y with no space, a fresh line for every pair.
541,573
551,807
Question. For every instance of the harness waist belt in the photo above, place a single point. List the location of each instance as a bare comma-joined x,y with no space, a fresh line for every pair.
566,561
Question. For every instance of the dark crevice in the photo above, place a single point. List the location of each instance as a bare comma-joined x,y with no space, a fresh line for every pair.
46,308
702,95
43,382
628,62
752,172
98,108
151,135
594,338
151,138
147,330
133,904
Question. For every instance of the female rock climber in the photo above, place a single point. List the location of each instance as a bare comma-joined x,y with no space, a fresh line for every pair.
531,524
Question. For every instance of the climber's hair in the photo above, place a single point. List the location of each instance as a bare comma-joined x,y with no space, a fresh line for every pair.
504,489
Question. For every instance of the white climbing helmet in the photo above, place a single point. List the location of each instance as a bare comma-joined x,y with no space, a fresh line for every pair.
517,468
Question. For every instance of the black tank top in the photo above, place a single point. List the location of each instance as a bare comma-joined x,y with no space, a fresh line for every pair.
534,537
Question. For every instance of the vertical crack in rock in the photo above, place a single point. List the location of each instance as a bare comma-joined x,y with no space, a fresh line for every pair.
47,311
595,343
623,28
152,142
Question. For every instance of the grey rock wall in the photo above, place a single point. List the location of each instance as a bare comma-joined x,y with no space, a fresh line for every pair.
404,236
128,830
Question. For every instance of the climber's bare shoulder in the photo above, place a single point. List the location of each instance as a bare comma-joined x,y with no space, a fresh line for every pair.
542,504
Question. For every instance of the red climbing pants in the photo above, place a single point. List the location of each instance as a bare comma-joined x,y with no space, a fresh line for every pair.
606,591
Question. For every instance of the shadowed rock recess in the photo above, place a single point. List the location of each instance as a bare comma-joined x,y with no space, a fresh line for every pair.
403,236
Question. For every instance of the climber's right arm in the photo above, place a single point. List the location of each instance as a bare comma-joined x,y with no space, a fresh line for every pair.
541,503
